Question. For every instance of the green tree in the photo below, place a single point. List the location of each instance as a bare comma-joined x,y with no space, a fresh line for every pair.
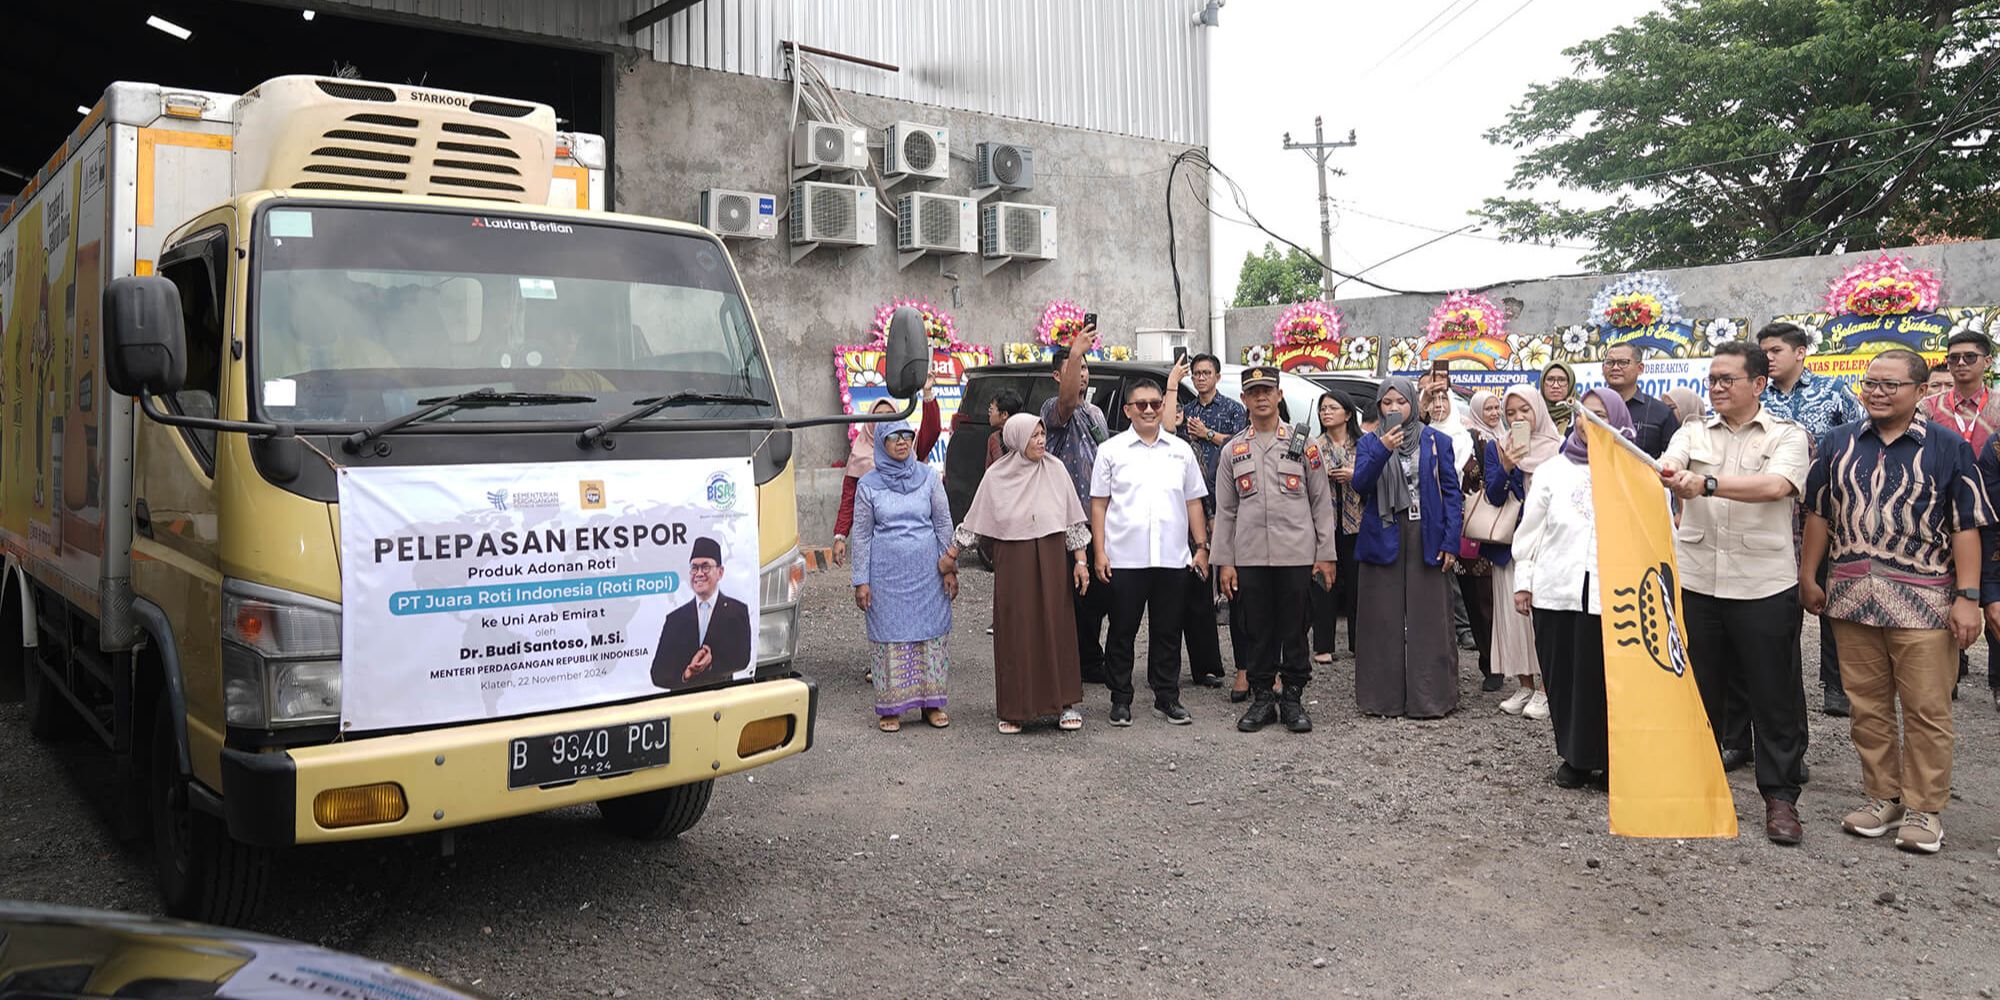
1268,279
1720,130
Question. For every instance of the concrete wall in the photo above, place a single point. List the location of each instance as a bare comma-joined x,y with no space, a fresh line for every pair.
1755,291
680,130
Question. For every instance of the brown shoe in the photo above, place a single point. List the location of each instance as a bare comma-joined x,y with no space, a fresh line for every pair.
1781,822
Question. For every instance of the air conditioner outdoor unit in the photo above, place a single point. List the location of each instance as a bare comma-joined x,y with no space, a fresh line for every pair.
830,146
941,223
1012,229
1004,166
918,150
750,214
840,214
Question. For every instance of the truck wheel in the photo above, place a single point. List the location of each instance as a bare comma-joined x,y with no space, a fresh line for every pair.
50,716
658,815
203,874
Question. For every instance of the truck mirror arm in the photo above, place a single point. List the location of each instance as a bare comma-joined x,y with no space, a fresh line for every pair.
152,409
854,418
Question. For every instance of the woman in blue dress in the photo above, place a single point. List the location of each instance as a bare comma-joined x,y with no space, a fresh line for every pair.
902,582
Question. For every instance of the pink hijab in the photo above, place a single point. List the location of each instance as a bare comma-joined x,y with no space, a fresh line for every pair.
1020,500
1544,440
861,444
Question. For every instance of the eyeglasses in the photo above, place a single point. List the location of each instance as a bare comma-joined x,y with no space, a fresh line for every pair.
1146,405
1619,362
1885,386
1964,358
703,566
1198,373
1725,381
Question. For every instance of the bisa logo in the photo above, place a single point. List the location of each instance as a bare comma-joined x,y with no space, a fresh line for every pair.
721,491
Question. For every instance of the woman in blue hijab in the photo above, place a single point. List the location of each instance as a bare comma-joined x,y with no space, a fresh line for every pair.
902,527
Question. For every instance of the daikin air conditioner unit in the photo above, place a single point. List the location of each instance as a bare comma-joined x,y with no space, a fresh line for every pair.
1011,229
834,214
918,150
1004,166
748,214
829,146
940,223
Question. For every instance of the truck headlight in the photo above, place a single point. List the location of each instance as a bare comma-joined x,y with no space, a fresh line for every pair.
779,588
280,657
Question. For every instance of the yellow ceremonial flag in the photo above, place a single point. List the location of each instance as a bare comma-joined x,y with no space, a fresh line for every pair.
1666,773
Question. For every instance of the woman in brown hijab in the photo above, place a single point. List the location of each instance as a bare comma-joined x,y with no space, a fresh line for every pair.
1027,507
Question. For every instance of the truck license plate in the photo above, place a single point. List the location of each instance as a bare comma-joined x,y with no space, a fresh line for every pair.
586,753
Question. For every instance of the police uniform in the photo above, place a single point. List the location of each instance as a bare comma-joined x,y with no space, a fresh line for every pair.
1274,518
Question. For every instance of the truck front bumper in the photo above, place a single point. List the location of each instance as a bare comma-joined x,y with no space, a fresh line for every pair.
458,775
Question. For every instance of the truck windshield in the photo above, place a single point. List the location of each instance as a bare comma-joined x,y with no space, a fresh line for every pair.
361,312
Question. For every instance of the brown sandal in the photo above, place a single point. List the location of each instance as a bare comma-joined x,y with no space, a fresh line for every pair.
937,718
889,724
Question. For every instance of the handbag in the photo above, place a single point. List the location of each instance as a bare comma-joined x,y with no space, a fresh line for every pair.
1486,521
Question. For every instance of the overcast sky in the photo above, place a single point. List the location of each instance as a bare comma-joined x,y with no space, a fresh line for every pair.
1419,118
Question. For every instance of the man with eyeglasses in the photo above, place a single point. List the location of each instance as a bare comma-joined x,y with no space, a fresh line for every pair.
1145,506
1819,405
706,640
1900,502
1207,423
1738,472
1652,420
1075,427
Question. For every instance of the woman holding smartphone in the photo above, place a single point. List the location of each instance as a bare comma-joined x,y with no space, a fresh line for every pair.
1530,438
1405,662
1339,434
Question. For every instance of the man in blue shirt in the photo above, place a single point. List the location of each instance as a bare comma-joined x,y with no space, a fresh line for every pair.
1819,405
1207,423
1074,427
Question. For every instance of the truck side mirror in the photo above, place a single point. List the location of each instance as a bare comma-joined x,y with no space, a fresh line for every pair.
909,360
145,339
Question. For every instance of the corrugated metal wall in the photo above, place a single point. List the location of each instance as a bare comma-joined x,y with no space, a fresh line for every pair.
1138,67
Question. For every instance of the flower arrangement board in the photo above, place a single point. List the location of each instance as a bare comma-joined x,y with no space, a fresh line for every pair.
1061,321
859,369
1883,303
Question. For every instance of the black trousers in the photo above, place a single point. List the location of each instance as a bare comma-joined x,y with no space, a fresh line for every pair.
1270,613
1478,591
1204,644
1157,595
1746,652
1329,606
1570,647
1091,610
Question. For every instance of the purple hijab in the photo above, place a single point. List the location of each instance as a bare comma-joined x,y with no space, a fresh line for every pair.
1577,448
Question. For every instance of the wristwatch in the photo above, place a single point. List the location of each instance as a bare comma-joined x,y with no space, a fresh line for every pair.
1969,593
1201,546
1709,484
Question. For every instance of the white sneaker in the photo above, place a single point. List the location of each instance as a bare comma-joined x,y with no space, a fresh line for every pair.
1518,701
1538,706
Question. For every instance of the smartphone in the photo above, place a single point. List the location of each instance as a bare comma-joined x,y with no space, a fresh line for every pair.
1517,435
1387,423
1440,367
1089,319
1180,355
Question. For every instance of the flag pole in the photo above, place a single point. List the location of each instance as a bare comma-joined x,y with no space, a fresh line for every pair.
1636,451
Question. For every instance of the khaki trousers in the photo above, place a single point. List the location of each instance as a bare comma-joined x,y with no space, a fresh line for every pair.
1918,667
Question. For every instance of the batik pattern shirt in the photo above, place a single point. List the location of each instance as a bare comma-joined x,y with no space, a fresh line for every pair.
1227,418
1891,509
1817,404
1074,444
1973,419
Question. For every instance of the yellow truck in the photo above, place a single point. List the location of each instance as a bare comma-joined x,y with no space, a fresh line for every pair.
360,477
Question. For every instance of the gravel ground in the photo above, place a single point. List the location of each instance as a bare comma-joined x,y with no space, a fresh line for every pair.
1369,858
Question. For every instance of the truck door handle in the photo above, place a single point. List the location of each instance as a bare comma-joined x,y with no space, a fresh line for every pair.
142,518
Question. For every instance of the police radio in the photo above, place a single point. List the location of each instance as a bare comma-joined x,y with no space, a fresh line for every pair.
1296,450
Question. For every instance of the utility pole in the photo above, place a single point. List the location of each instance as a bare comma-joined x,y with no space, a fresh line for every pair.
1320,151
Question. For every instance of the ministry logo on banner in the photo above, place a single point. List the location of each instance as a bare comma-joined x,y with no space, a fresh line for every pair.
486,591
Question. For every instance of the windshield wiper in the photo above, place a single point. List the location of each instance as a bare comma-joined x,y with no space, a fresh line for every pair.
438,404
649,406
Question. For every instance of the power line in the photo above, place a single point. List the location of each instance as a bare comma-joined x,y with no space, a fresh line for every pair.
1470,45
1470,236
1440,29
1780,152
1391,54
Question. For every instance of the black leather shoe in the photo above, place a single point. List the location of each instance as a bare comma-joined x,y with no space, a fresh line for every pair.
1293,714
1173,713
1493,682
1209,680
1263,712
1836,704
1239,696
1733,758
1121,715
1569,777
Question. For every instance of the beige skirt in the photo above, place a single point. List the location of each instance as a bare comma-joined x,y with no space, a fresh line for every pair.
1513,632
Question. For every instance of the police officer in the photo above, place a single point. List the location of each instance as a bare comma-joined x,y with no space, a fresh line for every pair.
1274,537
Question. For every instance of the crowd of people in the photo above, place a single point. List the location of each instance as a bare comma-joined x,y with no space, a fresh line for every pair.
1402,514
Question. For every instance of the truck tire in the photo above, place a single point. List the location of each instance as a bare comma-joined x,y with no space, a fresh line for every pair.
658,815
203,873
50,716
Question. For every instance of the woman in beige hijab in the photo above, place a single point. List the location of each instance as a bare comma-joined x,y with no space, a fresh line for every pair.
1027,508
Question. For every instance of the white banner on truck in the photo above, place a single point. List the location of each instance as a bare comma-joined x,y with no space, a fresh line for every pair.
486,591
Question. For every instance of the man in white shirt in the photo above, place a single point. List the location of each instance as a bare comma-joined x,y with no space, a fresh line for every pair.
1146,490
